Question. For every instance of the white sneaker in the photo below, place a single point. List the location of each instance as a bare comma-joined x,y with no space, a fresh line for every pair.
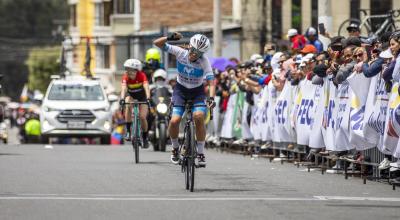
384,164
394,166
238,142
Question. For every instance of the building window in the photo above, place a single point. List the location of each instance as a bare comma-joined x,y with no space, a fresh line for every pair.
124,6
107,13
98,14
314,13
276,18
72,14
103,56
355,9
296,15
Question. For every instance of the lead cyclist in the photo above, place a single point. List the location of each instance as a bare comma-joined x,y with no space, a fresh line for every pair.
193,68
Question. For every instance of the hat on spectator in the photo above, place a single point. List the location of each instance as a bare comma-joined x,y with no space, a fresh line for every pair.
320,70
386,54
311,31
248,64
353,26
337,40
352,41
309,48
255,57
298,58
292,32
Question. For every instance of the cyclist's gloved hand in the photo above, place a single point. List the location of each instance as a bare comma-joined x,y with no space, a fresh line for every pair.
121,103
211,102
174,36
149,102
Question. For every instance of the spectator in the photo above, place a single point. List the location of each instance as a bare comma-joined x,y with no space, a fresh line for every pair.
297,40
312,38
354,30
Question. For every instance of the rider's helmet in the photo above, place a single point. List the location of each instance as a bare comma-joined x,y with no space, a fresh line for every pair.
159,73
200,43
153,54
133,64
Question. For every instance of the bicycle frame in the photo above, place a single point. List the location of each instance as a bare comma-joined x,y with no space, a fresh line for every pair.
190,152
136,128
367,22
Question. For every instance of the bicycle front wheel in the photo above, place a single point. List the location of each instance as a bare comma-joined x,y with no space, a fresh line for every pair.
192,156
135,140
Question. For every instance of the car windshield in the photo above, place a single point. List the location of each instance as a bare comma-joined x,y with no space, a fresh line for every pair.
77,92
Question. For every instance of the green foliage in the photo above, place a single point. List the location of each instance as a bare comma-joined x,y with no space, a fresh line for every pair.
42,63
31,18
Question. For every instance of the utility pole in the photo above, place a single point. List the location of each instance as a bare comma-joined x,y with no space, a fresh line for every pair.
217,32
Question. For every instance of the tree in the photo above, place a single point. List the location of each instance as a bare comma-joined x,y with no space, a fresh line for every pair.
42,63
26,24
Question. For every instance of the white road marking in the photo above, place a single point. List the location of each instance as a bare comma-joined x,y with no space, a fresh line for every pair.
96,197
48,146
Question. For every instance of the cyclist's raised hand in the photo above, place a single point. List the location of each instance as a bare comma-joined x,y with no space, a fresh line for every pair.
174,36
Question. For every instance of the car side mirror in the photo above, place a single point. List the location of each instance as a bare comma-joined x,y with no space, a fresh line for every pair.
112,98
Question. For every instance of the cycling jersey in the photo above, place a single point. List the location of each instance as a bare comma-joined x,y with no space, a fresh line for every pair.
190,74
135,86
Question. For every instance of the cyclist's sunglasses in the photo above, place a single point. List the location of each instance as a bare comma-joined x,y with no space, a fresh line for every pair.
195,51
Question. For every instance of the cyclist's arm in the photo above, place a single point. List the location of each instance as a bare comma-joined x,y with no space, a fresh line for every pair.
172,49
124,89
146,89
160,42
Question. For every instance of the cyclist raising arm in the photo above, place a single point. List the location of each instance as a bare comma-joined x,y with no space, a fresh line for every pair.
193,67
135,87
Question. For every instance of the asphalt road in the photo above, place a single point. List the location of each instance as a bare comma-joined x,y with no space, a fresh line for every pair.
102,182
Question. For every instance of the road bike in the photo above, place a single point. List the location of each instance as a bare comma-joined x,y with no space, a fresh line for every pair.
367,27
188,149
136,131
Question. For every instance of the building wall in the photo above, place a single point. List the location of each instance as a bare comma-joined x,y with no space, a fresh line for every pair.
157,13
85,23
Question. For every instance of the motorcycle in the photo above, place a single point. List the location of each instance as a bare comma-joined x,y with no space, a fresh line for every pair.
161,98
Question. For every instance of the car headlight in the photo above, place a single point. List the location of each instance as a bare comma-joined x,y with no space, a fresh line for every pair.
162,108
107,125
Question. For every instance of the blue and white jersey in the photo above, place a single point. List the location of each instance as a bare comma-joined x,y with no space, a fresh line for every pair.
191,74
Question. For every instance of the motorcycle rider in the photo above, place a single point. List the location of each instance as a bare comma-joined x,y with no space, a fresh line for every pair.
160,92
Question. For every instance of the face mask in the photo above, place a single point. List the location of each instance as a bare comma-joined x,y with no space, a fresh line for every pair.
160,83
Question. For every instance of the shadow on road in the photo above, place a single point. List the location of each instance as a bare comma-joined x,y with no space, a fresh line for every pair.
155,162
364,206
224,190
10,154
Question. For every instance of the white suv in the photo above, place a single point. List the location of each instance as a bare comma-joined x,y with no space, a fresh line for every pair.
76,107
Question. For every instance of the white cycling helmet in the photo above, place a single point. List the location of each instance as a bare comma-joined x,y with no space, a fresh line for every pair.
133,64
159,73
200,42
